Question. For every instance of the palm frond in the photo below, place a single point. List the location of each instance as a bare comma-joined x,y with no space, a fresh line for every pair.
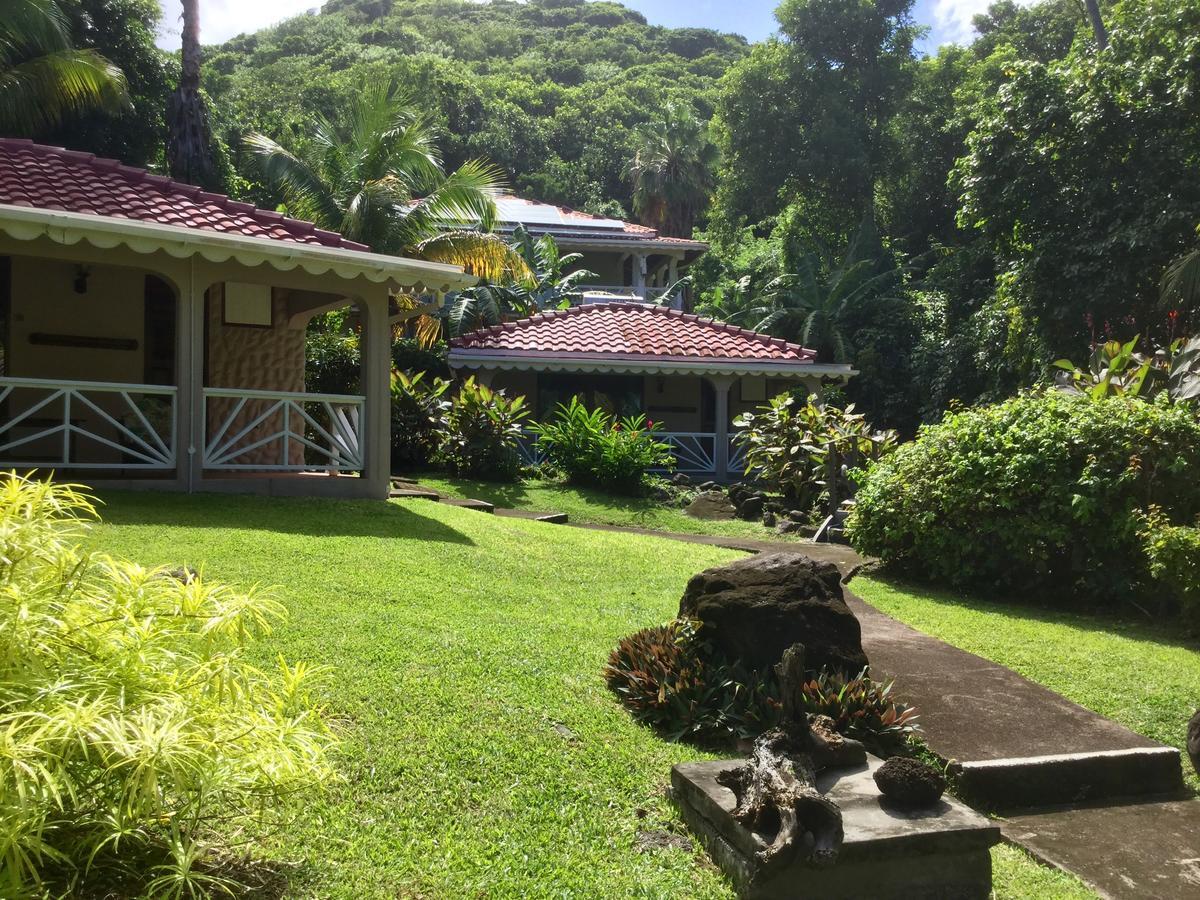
1181,282
39,93
306,192
483,255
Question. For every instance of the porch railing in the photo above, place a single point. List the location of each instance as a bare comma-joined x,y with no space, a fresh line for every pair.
86,424
281,431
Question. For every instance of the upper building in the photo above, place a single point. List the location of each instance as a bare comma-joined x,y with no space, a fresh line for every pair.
631,262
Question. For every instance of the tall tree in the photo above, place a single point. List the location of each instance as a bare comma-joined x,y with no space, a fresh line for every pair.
1093,12
44,81
804,120
379,180
672,172
189,136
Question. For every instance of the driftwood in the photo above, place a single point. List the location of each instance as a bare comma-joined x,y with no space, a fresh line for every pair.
776,791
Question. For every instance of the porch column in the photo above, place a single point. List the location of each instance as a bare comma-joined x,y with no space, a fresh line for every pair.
376,387
191,438
639,273
721,385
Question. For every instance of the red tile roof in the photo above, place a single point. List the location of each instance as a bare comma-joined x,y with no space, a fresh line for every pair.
631,330
32,175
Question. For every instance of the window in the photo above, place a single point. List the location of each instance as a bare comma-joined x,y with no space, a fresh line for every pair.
619,395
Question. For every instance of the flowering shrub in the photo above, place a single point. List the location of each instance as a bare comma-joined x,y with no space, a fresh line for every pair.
593,448
135,735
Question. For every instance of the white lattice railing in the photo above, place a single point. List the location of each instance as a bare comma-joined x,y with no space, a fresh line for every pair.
737,456
86,424
280,431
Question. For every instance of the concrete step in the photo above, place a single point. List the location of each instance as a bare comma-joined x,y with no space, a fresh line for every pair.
1029,782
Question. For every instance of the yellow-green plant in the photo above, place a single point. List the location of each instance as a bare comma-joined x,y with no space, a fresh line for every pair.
135,738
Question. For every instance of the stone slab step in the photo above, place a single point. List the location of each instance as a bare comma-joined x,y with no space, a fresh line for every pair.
413,494
1071,778
478,505
551,518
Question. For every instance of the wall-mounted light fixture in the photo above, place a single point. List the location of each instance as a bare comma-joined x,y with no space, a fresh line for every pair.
82,273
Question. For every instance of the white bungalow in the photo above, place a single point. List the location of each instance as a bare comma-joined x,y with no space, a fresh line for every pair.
153,335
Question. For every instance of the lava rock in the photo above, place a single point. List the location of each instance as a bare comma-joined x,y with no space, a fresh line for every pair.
681,479
787,526
910,783
711,505
710,486
751,507
755,608
768,519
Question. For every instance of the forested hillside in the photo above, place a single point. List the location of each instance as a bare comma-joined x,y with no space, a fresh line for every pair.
551,91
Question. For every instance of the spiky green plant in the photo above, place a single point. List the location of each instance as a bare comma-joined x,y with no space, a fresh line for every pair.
134,736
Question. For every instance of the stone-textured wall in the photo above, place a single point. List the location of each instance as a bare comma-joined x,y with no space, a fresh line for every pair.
265,359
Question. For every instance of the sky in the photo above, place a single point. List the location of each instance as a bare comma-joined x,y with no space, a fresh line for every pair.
948,20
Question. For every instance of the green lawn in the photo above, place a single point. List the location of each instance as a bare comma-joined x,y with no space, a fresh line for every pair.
590,507
1142,676
482,755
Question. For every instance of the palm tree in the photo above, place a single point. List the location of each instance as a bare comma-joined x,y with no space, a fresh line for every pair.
1181,282
816,304
550,286
189,137
672,172
43,79
380,181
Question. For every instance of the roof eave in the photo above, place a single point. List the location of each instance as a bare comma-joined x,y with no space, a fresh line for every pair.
540,361
29,223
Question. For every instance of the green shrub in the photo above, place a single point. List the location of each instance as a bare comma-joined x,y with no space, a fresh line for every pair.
672,679
137,741
1038,494
481,431
410,355
596,449
1173,555
332,363
801,449
418,411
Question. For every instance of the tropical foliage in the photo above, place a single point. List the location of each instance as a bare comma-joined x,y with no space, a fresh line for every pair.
44,79
592,447
808,451
551,283
137,738
481,430
419,410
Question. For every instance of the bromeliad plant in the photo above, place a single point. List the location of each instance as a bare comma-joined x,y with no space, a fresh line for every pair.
671,678
806,450
1117,369
135,738
594,448
481,432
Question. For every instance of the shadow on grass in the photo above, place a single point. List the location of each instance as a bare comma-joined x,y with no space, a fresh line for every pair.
1102,621
286,515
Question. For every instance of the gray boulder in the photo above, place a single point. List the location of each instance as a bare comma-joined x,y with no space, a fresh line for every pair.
755,608
750,507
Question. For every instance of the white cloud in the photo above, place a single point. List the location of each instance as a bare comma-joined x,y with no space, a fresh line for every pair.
223,19
951,19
